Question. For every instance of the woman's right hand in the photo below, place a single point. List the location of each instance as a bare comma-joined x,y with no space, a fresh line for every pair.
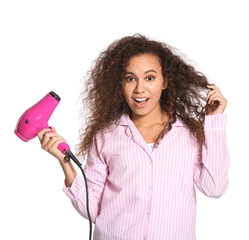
50,141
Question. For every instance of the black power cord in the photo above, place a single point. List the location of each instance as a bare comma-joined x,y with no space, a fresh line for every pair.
70,155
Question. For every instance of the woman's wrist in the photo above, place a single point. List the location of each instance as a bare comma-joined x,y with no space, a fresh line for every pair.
69,171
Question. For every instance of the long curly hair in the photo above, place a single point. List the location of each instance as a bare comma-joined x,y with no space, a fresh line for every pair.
104,103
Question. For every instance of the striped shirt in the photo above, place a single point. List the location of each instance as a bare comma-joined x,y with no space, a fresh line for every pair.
139,191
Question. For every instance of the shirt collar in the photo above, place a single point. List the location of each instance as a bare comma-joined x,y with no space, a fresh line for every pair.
126,121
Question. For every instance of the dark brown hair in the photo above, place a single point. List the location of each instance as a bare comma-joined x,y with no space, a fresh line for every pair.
105,102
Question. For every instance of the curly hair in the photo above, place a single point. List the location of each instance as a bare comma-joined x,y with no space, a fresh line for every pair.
105,102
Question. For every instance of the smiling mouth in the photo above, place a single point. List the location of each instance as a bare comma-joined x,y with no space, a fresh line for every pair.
141,101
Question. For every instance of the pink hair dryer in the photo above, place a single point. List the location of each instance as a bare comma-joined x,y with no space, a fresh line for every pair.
36,118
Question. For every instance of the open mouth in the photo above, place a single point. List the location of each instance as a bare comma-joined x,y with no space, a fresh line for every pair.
141,103
142,100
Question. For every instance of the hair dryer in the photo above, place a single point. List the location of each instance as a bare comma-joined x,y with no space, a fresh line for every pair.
35,119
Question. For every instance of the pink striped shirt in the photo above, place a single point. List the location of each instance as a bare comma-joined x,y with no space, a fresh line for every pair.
136,193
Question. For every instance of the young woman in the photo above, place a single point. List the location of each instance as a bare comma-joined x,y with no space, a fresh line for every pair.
152,134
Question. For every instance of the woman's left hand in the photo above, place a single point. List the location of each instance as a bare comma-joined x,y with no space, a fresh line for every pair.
215,95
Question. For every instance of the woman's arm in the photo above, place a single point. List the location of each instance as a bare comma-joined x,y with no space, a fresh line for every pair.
211,163
69,172
49,143
95,170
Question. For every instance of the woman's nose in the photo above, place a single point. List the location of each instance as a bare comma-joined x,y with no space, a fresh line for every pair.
139,86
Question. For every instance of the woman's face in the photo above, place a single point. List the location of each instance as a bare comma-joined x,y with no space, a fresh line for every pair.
143,84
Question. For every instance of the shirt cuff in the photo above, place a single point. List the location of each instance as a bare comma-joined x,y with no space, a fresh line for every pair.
216,121
76,188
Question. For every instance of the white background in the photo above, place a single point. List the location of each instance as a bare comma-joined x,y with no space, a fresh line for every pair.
50,45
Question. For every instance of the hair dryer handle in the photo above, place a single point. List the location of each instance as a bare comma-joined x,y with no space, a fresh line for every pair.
63,147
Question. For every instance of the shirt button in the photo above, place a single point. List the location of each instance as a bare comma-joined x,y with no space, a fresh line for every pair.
148,213
150,187
150,163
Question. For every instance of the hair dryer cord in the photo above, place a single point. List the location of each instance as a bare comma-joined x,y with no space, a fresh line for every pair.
70,155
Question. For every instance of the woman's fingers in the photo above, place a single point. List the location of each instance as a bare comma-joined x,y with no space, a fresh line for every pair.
53,129
41,133
52,148
213,94
51,142
47,137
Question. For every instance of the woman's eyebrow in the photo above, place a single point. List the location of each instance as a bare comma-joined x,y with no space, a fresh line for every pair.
151,70
130,73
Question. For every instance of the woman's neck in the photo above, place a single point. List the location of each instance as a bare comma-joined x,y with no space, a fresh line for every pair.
150,120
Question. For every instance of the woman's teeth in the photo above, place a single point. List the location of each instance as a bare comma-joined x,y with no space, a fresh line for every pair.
140,99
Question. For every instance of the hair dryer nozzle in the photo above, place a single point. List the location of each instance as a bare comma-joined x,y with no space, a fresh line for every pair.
36,118
54,95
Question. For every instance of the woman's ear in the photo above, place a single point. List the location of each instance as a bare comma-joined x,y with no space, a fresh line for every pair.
165,84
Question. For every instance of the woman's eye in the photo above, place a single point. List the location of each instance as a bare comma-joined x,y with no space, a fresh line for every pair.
150,78
129,79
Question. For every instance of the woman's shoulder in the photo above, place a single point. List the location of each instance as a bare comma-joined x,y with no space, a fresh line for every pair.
113,127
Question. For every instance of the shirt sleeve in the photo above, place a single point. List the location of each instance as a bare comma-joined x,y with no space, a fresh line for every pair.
96,173
211,162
